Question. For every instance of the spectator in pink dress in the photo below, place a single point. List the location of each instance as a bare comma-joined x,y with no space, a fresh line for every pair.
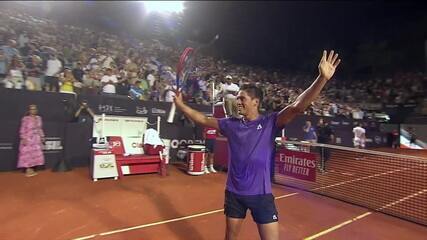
32,137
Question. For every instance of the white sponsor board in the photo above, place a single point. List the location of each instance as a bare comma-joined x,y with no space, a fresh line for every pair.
131,129
104,165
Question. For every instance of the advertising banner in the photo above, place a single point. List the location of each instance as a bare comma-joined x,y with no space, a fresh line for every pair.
131,129
299,165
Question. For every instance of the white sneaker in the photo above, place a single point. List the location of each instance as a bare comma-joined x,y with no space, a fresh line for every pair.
207,170
212,169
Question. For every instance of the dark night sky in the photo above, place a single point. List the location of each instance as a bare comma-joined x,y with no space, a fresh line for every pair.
290,35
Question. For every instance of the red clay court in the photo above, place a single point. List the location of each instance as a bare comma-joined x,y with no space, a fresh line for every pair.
139,207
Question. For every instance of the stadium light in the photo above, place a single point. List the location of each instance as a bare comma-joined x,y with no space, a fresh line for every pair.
163,6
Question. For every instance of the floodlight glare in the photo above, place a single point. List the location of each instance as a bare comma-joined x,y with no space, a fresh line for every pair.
164,6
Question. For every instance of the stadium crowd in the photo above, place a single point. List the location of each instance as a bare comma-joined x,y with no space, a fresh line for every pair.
41,55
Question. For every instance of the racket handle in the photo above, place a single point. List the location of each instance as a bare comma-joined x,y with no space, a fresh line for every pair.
171,113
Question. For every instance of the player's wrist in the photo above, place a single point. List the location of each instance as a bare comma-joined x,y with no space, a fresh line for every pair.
322,78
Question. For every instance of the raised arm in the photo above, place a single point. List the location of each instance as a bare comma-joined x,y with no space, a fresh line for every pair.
327,67
196,116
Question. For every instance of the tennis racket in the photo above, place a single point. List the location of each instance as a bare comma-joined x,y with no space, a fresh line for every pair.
184,69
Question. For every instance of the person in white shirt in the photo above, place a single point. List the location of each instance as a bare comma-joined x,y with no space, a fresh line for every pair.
23,39
229,91
54,67
151,78
203,86
169,93
359,136
109,82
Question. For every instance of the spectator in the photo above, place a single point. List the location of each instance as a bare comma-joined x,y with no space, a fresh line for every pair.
54,67
15,77
23,40
109,82
91,83
309,132
144,85
169,94
10,50
32,137
229,90
150,78
122,86
67,79
135,92
325,135
78,72
3,65
33,71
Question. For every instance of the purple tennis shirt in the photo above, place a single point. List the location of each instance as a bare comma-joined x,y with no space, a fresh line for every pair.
252,148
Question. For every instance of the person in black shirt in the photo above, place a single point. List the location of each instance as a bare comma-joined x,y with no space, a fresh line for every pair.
79,145
412,136
84,114
325,135
78,72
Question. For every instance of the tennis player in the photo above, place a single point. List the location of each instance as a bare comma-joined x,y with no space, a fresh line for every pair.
252,149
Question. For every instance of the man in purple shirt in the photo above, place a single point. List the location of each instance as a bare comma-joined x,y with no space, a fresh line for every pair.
251,144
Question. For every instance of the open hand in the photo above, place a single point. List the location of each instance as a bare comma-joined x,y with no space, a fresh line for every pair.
328,64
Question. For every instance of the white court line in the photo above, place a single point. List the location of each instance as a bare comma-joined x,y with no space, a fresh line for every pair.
337,226
166,221
331,229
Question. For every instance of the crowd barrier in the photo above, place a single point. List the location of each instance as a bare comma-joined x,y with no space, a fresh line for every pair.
69,140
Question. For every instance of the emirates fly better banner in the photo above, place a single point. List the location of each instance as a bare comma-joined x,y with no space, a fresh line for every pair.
300,165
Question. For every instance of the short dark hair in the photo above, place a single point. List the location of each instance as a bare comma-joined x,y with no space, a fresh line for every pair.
253,91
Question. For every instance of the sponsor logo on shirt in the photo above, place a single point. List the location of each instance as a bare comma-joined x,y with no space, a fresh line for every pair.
259,127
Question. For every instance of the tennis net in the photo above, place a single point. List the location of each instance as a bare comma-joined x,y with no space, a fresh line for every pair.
390,183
